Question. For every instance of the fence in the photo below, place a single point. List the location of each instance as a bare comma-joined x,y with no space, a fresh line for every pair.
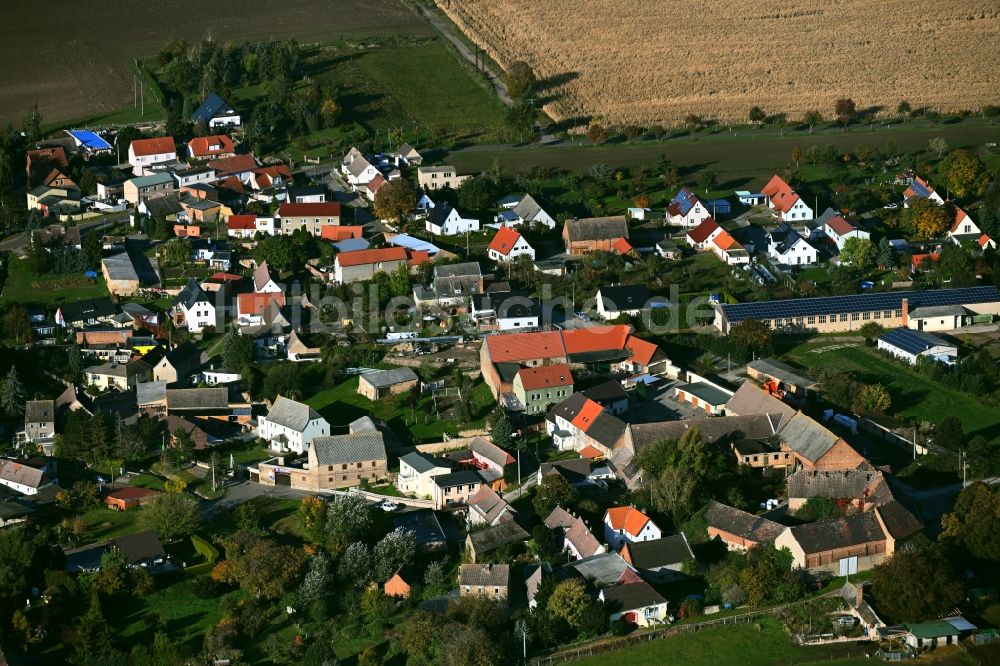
610,645
408,501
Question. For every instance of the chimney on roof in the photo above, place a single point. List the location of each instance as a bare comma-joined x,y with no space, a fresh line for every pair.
906,313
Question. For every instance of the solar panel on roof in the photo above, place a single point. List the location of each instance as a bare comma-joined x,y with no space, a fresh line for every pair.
919,189
910,341
826,305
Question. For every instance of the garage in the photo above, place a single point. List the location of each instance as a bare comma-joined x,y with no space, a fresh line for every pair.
282,479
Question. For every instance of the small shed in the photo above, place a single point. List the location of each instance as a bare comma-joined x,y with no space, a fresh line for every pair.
719,207
127,498
748,198
375,385
910,345
931,634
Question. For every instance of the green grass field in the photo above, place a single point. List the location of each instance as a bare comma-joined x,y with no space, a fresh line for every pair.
104,524
341,404
745,159
22,287
763,644
913,396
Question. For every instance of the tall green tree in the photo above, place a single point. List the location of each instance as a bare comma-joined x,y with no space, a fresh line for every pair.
520,80
859,253
916,584
12,394
171,515
974,523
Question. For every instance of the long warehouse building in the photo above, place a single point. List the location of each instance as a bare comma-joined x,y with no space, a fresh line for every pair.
931,310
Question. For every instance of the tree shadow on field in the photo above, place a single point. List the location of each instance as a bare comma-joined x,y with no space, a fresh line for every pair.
685,170
545,89
868,114
733,183
566,124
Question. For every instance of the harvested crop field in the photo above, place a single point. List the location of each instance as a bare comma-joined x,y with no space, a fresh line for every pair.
73,57
648,62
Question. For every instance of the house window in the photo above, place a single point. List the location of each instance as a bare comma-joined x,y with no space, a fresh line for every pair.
496,591
822,319
329,468
899,313
359,465
344,466
811,320
843,317
877,315
855,316
887,314
373,463
866,316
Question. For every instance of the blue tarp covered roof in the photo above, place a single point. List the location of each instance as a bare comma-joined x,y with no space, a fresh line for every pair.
413,243
90,140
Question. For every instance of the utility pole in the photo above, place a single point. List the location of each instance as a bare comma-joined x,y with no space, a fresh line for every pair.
142,99
914,442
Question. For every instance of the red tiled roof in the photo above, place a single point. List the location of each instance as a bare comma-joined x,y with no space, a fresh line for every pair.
222,276
418,257
276,170
984,240
839,225
628,518
232,165
157,146
775,186
504,241
328,209
591,452
242,222
585,417
332,232
781,194
131,493
360,257
595,338
960,217
701,233
254,303
233,184
622,246
375,183
207,146
518,347
545,376
642,350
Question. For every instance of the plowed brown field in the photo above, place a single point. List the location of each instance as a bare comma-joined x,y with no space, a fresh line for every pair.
72,56
650,62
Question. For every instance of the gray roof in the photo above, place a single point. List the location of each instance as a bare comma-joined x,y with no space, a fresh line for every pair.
937,311
573,470
39,411
487,575
464,477
625,297
352,448
386,378
707,392
582,538
559,517
632,596
527,208
150,392
16,472
758,426
191,294
741,523
212,107
455,270
840,484
490,451
489,504
261,276
139,547
198,398
161,207
601,570
420,462
119,267
750,399
898,520
491,538
597,228
291,414
808,438
661,552
780,371
845,532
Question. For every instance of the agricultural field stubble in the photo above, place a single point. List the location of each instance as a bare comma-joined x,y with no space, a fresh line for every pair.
647,62
73,57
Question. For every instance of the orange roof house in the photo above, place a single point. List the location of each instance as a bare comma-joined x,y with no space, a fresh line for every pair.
596,338
590,411
158,146
545,376
206,147
360,257
126,498
335,233
622,246
504,241
627,524
401,583
703,232
524,347
254,304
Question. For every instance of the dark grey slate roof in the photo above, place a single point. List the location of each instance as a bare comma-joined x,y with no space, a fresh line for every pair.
632,596
191,294
487,575
39,411
840,533
420,462
139,547
808,438
197,398
625,297
212,106
353,448
661,552
491,538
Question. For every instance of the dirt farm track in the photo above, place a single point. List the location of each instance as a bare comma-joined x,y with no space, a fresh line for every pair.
646,62
72,56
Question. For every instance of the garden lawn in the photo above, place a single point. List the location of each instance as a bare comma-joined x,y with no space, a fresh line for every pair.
104,524
913,395
22,287
761,644
341,404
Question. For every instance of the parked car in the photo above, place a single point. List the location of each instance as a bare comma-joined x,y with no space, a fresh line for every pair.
388,506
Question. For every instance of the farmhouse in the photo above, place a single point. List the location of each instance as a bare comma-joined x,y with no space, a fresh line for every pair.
216,112
342,461
538,388
964,230
861,488
596,234
444,220
23,478
312,217
815,447
120,275
484,580
381,384
578,422
829,314
455,283
195,309
738,529
416,471
504,311
636,603
702,236
508,245
39,421
436,177
523,210
911,345
117,376
144,153
577,538
685,210
358,170
291,426
631,300
364,264
481,542
784,202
